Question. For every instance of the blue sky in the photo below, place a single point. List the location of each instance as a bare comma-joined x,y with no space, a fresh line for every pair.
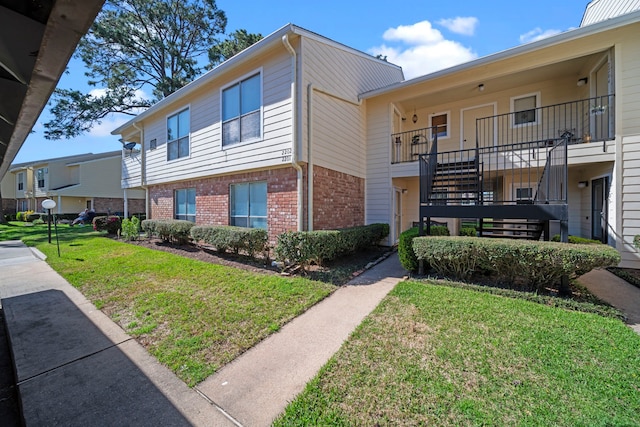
420,36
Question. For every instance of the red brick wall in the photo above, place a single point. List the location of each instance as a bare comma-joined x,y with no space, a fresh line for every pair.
338,199
106,204
212,199
8,206
136,206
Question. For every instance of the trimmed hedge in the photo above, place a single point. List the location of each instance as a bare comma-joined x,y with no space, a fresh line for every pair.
530,264
304,247
405,245
468,231
577,240
169,230
223,237
110,224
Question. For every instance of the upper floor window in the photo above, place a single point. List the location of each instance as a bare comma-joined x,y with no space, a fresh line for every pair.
241,106
524,109
21,181
178,135
40,177
439,124
185,204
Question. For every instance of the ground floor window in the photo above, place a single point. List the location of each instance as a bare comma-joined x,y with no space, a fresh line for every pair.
248,207
185,204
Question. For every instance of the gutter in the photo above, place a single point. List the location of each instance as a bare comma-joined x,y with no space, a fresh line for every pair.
294,128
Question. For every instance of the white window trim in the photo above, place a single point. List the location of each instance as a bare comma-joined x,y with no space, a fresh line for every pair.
166,143
442,113
21,174
260,137
512,109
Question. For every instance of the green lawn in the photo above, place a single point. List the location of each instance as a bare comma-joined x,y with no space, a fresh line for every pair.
440,355
192,316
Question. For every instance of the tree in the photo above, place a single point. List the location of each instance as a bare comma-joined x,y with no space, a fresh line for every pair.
135,46
239,40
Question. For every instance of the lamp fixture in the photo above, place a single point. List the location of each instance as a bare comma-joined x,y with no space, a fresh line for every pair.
583,81
583,184
481,87
414,119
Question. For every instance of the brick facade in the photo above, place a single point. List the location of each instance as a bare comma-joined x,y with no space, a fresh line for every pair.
212,199
338,199
9,206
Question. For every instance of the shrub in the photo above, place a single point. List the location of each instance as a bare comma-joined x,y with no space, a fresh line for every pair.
636,241
304,247
110,224
38,221
405,245
222,237
528,263
405,249
577,240
23,216
32,217
169,230
131,228
468,231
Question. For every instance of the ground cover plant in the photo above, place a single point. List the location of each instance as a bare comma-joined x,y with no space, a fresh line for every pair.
442,355
191,315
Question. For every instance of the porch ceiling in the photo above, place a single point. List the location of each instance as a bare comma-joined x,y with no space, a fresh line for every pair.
37,39
493,82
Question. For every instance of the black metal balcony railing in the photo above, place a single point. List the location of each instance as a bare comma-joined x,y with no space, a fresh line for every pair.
585,120
476,176
407,146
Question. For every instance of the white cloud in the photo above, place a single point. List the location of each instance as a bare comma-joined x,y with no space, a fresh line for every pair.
421,49
108,124
460,25
537,34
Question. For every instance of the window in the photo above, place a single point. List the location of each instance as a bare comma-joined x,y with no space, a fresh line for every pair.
524,194
185,204
178,135
441,120
524,109
248,205
24,205
241,106
40,177
21,181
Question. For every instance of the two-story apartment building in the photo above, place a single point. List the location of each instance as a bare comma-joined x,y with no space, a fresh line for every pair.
74,182
273,138
300,132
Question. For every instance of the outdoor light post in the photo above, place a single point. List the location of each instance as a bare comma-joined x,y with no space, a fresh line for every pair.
48,205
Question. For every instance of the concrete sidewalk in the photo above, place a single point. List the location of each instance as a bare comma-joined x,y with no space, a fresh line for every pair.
617,292
114,379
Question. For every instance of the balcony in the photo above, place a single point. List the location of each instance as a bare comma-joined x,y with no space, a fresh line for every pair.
582,121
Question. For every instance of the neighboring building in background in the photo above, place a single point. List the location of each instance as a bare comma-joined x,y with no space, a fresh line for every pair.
74,183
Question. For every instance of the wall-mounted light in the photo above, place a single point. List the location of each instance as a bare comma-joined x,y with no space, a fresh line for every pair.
583,81
405,191
415,116
583,184
481,87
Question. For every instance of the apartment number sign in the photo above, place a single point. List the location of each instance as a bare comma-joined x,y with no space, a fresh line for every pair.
286,155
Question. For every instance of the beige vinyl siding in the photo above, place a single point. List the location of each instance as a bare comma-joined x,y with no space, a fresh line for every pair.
338,76
378,188
207,156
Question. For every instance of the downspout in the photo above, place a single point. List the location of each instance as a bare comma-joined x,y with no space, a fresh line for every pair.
310,90
295,117
143,169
